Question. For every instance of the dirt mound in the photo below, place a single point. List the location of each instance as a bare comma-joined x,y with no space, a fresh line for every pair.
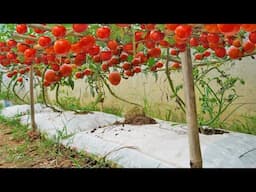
211,131
139,120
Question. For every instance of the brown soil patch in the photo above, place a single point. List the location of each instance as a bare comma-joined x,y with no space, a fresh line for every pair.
211,131
36,152
139,120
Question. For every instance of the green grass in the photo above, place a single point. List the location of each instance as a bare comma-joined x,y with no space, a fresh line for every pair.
4,95
72,103
169,115
246,125
18,130
47,147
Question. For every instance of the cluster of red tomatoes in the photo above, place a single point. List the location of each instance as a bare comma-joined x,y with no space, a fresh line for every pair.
111,55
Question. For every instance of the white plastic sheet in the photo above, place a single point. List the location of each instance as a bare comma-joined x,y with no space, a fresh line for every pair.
147,146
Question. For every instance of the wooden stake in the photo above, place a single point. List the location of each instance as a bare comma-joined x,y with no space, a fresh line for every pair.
31,92
191,115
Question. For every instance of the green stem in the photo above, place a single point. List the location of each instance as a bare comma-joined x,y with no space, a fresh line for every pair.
204,73
62,106
220,111
1,79
42,86
114,95
13,90
234,110
32,101
167,72
44,90
214,94
8,89
57,97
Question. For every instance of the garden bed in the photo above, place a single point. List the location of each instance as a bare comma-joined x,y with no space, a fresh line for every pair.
150,145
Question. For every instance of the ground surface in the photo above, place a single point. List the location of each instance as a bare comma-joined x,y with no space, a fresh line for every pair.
17,150
160,145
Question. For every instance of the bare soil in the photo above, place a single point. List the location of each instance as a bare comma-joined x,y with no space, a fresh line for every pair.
34,152
139,120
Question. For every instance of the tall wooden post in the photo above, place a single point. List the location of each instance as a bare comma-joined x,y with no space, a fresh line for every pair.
191,114
31,92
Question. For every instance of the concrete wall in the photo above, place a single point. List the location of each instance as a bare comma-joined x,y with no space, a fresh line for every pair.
157,93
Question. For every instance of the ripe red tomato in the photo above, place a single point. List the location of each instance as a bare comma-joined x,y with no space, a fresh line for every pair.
50,58
104,66
11,55
96,58
59,31
183,31
136,61
21,47
252,37
126,66
22,71
142,56
114,78
39,31
128,48
21,28
211,28
79,28
76,48
234,52
236,42
207,53
123,56
248,47
87,42
148,26
199,56
213,38
228,29
113,61
65,70
103,32
62,46
55,67
138,35
174,52
156,35
87,72
5,62
129,73
159,64
112,44
44,41
137,70
193,42
30,53
79,75
248,27
150,44
11,43
47,83
105,55
164,43
155,52
171,27
176,65
203,38
94,50
50,76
